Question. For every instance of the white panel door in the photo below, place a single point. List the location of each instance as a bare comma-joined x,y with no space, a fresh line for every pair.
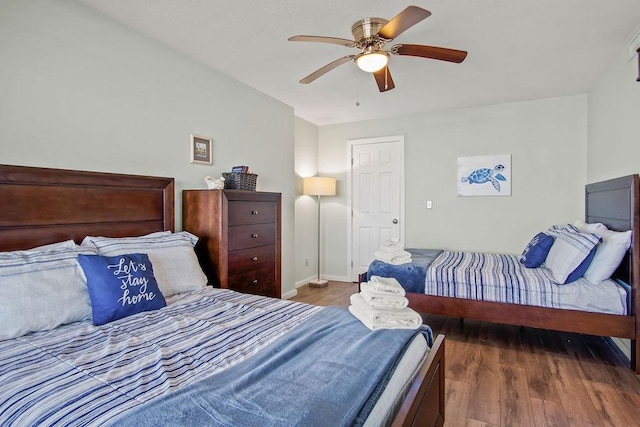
377,198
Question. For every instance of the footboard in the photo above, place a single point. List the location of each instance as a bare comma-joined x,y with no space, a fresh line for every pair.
424,404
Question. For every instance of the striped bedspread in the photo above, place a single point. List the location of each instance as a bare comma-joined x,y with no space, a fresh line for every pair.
81,374
502,278
491,277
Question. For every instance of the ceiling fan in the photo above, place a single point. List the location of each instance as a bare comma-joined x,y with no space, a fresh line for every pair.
370,35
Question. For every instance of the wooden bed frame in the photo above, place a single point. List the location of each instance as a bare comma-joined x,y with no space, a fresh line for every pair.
615,203
41,206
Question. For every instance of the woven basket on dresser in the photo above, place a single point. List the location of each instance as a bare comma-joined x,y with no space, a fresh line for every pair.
240,181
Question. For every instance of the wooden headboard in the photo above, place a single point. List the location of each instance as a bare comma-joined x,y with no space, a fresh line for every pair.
40,205
615,203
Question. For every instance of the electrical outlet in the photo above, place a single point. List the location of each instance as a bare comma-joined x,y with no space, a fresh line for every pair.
306,262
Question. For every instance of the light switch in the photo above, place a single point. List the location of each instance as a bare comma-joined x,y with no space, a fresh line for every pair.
429,204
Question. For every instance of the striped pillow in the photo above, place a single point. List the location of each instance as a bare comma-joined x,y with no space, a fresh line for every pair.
174,261
568,251
41,290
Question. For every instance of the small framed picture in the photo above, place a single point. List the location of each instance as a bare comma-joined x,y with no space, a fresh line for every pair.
201,147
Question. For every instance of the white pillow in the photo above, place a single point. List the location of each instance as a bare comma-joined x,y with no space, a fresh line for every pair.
608,255
88,240
174,261
589,228
59,245
41,290
568,251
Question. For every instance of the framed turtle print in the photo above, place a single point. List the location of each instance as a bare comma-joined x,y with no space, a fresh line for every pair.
484,175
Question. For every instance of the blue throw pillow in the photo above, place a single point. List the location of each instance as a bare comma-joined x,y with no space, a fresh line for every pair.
582,268
537,250
120,286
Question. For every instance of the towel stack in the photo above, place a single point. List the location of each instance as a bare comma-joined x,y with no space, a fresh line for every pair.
381,304
392,252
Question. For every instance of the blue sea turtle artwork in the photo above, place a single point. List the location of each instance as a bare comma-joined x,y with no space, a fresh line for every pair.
482,175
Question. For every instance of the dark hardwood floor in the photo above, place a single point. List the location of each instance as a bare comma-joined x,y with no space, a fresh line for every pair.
511,376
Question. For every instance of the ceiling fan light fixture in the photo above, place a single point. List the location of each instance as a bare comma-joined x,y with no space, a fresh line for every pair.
372,61
370,35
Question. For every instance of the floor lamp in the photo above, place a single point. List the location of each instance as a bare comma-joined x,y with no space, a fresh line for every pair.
319,186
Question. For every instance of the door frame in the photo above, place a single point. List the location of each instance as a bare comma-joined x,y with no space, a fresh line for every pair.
353,276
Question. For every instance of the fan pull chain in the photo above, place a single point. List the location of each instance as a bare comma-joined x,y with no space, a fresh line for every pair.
357,87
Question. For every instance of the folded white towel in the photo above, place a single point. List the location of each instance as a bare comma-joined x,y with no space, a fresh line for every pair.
391,249
383,284
395,258
384,299
392,243
375,318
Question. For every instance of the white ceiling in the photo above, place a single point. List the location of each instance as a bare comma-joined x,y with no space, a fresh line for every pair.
518,49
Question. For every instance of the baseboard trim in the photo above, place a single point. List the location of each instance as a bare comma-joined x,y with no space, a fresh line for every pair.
624,345
290,294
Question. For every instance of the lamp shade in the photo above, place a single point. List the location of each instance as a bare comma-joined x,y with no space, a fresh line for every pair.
372,62
319,186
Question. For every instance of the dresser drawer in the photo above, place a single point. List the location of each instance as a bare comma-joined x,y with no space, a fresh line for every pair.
251,259
251,236
260,282
251,212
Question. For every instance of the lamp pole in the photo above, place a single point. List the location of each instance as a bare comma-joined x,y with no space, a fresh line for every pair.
319,186
318,283
319,240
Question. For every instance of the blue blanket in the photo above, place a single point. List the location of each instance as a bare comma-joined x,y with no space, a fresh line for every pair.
298,380
411,275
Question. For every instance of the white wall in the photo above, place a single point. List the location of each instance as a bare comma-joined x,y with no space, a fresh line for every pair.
614,122
306,164
546,138
78,91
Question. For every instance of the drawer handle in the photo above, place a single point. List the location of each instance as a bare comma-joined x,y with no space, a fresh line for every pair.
254,212
254,236
255,258
255,281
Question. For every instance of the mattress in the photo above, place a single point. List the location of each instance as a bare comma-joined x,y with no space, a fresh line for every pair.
502,278
399,384
499,278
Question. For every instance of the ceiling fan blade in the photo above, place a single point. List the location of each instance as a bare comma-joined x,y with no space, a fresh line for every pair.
330,66
432,52
321,39
384,80
403,21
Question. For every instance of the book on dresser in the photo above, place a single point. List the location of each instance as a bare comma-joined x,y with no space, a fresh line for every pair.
239,244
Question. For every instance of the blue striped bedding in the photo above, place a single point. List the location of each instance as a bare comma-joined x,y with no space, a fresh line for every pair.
490,277
502,278
298,380
80,374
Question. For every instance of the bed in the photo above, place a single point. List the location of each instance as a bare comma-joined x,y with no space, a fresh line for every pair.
614,203
81,374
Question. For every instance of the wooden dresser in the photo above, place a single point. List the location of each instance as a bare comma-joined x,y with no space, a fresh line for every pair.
239,231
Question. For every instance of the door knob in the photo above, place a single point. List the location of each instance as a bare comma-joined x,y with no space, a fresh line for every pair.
395,221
